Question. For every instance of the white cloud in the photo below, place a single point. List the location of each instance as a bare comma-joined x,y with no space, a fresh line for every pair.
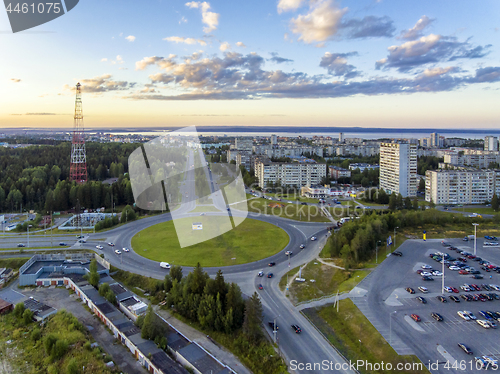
210,19
181,39
416,31
320,23
146,61
119,60
104,59
241,44
225,46
101,84
130,38
434,72
183,20
286,5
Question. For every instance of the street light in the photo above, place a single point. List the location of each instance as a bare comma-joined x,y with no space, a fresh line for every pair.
390,327
475,238
395,237
29,235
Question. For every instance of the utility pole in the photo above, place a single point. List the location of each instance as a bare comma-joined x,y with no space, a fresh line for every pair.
442,281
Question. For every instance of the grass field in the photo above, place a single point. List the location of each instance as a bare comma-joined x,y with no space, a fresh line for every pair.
250,241
477,210
357,339
292,211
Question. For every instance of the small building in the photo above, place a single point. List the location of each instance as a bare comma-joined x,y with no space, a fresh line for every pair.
40,310
316,192
5,306
337,172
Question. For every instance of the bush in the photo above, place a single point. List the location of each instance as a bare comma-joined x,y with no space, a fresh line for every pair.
59,349
28,316
36,334
19,310
73,367
87,346
49,342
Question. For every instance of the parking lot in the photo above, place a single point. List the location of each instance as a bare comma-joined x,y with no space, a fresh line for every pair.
435,341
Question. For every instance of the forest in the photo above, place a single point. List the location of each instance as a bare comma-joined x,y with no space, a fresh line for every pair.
37,177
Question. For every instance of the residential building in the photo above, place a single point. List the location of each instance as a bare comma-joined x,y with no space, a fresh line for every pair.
341,137
337,172
491,143
243,144
461,185
398,168
274,139
315,192
289,174
435,140
364,150
454,142
362,166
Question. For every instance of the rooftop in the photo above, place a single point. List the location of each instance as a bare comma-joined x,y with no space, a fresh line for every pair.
37,265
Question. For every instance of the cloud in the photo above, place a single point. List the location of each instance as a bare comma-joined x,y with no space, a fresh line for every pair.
181,39
104,59
183,20
130,38
237,76
287,5
429,49
241,44
101,84
15,80
336,64
277,59
210,19
324,21
416,31
225,46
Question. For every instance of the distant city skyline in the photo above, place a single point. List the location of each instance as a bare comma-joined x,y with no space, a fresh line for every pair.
321,63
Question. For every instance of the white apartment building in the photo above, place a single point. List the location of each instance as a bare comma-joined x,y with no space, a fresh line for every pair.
243,144
274,139
398,168
337,172
461,186
364,150
289,174
472,157
491,143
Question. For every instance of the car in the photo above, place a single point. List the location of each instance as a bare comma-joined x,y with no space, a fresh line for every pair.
465,288
425,266
260,287
494,296
427,278
423,289
445,244
125,249
82,241
465,297
465,239
454,298
470,314
463,259
437,316
62,244
420,271
21,245
288,253
270,275
483,323
314,238
484,314
272,263
426,274
111,244
165,265
273,326
454,289
421,299
491,361
297,329
477,276
303,203
488,237
473,271
448,289
495,287
437,273
463,272
454,267
442,299
415,317
397,253
118,252
260,274
476,287
481,362
410,290
99,247
464,348
463,315
302,246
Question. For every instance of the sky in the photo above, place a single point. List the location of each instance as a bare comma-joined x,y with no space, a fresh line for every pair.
365,63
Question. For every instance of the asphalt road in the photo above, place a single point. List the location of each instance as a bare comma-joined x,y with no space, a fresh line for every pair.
388,307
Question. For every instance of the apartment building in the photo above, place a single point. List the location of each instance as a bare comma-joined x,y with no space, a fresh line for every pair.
289,174
472,157
398,168
337,172
362,166
364,150
491,143
461,186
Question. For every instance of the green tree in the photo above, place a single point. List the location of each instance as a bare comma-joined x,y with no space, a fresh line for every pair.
59,349
176,272
128,214
28,316
253,319
152,326
49,342
392,202
494,202
415,203
104,289
111,297
19,310
72,367
407,203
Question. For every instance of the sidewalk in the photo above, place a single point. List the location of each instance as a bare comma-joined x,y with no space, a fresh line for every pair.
206,342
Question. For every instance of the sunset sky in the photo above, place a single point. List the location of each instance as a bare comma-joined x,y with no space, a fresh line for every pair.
301,63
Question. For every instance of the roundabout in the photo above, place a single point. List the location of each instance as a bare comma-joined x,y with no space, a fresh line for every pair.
250,241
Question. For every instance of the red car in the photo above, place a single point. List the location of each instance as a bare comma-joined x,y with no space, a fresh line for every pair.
260,287
476,287
463,259
415,317
455,289
463,272
471,257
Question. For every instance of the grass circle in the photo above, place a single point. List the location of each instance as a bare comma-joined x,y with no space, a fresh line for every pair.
250,241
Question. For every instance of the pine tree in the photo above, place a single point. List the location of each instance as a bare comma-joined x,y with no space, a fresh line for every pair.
253,319
494,203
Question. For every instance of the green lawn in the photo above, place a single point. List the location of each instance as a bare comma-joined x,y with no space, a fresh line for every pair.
477,210
250,241
353,335
292,211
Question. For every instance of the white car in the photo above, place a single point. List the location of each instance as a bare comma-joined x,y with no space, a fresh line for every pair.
453,267
118,252
423,289
470,314
314,238
437,273
290,202
288,253
464,315
465,288
302,246
126,249
426,274
448,289
202,214
165,265
426,267
497,288
483,323
261,274
99,247
111,244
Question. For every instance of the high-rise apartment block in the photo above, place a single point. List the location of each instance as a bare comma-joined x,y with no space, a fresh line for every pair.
398,168
289,174
491,143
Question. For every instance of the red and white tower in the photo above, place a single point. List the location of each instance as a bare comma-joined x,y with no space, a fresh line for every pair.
78,166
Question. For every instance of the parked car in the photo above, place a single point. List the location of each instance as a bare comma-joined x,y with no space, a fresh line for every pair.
397,253
415,317
465,348
436,316
421,299
442,299
423,289
410,290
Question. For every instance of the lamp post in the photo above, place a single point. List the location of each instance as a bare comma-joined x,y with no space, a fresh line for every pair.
395,228
475,237
29,235
442,280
